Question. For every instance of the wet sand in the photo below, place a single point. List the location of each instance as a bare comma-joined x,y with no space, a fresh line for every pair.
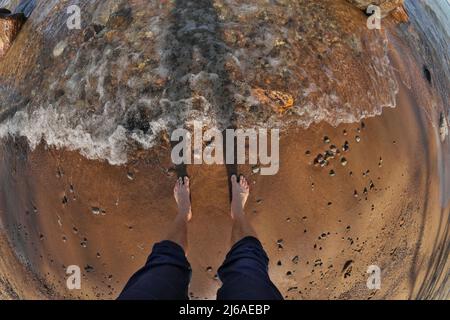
59,209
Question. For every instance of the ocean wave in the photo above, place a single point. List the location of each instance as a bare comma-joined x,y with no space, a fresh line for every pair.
111,91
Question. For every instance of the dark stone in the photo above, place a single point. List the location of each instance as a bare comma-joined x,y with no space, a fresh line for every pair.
120,19
427,73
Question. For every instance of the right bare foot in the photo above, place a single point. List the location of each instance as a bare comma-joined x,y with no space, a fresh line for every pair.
240,191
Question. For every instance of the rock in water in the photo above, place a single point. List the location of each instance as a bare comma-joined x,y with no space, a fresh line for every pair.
400,15
10,25
386,6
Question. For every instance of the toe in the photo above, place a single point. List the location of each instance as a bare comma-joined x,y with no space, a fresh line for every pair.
244,183
233,179
186,181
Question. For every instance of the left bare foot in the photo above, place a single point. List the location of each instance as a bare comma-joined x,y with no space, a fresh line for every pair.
240,191
181,193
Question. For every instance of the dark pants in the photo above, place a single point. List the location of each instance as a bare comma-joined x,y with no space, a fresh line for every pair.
166,275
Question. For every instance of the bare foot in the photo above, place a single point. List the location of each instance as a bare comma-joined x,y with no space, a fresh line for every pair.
181,193
240,191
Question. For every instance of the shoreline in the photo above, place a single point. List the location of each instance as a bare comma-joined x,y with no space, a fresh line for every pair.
328,235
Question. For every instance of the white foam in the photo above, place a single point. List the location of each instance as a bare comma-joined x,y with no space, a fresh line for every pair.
49,125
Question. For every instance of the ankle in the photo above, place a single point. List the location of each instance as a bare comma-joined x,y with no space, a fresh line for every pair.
184,215
237,214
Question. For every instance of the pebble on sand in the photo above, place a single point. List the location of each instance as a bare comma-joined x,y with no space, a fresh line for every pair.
334,149
443,127
346,146
89,268
59,48
329,155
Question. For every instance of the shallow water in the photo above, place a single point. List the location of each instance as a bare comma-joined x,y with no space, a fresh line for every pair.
154,67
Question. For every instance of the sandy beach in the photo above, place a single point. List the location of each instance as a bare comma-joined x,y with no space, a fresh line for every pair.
377,202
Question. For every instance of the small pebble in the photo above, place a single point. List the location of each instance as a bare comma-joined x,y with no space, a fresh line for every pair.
89,268
346,146
333,148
